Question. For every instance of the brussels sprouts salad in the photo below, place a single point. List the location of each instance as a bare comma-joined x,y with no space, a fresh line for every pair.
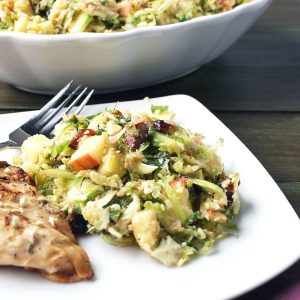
136,180
70,16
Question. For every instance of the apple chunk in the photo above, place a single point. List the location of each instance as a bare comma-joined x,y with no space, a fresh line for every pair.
113,163
146,228
89,153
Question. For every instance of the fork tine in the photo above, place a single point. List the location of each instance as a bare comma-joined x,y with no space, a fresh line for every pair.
49,127
58,108
52,115
75,101
84,102
48,106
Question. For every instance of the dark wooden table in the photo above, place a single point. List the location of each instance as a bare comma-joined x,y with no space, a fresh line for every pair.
254,88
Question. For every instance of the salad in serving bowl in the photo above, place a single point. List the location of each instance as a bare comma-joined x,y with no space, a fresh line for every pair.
70,16
136,179
101,51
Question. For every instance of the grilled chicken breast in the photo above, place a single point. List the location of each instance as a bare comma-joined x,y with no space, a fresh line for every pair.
34,233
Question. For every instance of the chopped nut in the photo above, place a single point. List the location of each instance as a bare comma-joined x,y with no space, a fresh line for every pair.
7,170
37,223
22,200
15,222
132,159
52,221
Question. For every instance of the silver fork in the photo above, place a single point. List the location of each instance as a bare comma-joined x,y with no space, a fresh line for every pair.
45,120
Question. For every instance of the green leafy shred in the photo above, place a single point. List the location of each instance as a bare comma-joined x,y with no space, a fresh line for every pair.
161,108
3,25
122,201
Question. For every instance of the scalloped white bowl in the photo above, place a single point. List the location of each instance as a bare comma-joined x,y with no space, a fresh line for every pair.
118,61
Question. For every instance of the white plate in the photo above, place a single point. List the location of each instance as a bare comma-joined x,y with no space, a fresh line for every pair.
268,240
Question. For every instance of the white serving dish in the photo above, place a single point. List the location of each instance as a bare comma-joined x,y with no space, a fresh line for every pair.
267,243
119,61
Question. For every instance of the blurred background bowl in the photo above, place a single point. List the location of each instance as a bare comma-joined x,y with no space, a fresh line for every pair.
110,62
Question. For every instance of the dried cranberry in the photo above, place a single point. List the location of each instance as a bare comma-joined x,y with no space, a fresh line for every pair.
134,141
229,199
76,139
142,128
230,186
117,113
163,126
78,223
143,5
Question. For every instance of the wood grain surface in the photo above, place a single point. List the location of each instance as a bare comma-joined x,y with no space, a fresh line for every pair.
254,88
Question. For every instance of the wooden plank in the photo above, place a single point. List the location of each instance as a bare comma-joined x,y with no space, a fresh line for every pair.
228,88
281,13
292,192
12,98
274,138
265,46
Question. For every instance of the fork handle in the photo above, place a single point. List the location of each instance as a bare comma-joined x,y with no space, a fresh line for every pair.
8,144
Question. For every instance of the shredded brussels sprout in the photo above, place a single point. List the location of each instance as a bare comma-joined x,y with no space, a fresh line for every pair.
137,179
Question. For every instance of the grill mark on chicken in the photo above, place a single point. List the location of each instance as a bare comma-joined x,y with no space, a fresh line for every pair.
34,233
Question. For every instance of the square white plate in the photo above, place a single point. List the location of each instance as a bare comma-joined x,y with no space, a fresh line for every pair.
268,239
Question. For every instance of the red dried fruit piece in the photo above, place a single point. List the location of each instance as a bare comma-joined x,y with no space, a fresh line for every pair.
134,141
142,128
78,223
143,5
163,126
229,195
117,113
76,139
